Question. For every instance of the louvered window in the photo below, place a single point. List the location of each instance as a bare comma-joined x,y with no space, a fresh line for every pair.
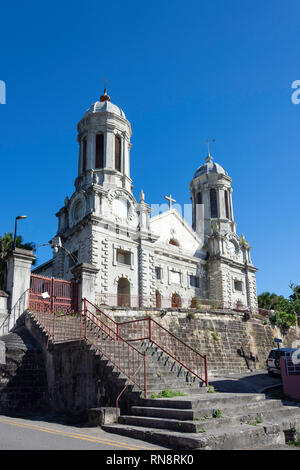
117,153
99,151
213,203
84,154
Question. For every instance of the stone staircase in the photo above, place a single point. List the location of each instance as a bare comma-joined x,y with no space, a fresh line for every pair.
210,421
163,373
196,420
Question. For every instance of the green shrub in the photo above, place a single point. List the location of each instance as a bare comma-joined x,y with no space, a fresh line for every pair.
283,320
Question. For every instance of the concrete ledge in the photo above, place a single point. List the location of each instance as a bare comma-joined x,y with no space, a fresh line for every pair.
102,416
2,353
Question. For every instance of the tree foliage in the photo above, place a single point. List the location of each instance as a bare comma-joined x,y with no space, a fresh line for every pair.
285,310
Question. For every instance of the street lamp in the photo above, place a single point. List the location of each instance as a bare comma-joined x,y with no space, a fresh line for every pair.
15,236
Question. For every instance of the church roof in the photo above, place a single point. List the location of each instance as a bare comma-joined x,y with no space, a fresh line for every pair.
106,106
210,167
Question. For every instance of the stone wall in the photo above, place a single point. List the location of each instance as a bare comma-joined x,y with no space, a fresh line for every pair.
23,384
77,378
231,342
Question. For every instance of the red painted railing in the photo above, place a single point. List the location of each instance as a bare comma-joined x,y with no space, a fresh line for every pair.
102,332
59,326
114,339
185,355
99,330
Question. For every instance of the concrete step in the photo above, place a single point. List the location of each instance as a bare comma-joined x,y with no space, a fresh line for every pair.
242,437
173,413
284,415
205,399
192,414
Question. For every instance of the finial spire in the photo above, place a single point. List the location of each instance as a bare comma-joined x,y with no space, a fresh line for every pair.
105,96
209,158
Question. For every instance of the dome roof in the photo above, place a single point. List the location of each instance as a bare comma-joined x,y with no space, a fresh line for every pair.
210,167
104,105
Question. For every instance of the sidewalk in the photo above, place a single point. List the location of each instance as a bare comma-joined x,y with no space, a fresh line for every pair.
245,382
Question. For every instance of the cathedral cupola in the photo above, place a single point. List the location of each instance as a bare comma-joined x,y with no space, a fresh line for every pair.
211,195
104,144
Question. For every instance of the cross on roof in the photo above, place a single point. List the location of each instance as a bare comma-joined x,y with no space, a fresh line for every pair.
105,83
169,198
208,144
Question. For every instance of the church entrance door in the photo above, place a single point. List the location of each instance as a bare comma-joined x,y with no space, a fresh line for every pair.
157,299
176,301
123,292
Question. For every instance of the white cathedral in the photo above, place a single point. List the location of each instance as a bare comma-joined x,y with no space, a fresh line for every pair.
144,261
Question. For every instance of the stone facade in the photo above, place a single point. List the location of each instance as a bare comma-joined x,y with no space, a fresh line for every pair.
140,260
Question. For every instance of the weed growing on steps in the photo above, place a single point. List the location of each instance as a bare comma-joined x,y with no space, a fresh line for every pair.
217,414
201,418
211,389
258,420
168,394
296,441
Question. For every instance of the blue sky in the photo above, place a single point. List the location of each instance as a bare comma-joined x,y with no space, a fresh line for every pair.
183,72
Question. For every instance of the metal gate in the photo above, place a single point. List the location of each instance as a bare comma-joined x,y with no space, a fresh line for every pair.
48,294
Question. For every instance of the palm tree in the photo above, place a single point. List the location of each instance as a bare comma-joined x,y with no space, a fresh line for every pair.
267,300
296,292
6,245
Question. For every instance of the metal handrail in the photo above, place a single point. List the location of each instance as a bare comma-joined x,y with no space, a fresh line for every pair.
12,312
120,394
162,345
114,336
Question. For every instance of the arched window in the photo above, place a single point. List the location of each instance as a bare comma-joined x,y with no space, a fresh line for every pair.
213,204
199,198
99,151
123,292
84,145
117,153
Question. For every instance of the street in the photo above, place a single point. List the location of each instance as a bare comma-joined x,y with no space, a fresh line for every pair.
25,434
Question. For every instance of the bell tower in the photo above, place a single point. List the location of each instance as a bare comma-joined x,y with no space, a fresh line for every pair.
104,144
231,274
211,195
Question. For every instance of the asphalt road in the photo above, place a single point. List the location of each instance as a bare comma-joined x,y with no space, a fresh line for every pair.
25,434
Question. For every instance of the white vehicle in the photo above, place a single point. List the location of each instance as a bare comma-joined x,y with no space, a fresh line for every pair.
273,361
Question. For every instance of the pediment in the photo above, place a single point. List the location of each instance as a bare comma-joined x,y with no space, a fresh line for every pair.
174,232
